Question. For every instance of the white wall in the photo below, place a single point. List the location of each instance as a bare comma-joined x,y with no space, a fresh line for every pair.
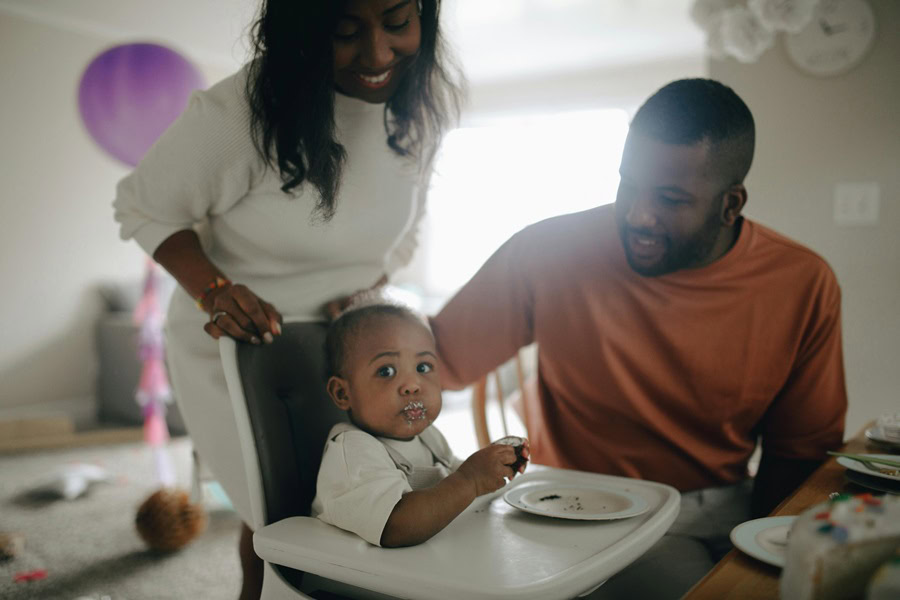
813,133
57,235
622,86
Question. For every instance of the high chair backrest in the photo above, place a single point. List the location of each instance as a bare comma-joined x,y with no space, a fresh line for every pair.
283,414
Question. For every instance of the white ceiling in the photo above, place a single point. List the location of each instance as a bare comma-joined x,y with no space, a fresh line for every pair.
494,39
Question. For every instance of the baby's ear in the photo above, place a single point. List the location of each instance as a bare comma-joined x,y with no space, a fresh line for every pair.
339,392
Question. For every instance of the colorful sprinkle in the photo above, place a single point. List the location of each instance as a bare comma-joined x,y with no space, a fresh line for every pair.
35,575
822,515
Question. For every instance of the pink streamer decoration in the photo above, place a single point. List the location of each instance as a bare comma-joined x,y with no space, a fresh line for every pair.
155,431
153,390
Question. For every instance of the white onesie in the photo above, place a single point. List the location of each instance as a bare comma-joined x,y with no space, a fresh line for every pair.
359,483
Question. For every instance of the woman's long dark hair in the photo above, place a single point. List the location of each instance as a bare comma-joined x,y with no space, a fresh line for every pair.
290,90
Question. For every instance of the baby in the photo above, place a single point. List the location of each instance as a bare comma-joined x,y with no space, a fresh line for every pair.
389,475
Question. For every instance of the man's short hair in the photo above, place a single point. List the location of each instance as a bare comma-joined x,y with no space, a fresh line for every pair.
694,111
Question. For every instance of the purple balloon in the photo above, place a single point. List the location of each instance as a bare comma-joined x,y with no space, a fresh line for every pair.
131,93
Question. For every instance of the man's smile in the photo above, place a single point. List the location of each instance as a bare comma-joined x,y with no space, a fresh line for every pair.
644,246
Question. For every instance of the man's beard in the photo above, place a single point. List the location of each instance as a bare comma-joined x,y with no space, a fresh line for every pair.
684,255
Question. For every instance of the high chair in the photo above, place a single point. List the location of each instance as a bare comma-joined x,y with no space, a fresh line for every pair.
490,551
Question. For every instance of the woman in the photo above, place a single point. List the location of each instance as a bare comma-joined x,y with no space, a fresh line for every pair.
296,181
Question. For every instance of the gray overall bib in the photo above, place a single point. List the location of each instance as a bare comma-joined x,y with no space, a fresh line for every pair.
419,478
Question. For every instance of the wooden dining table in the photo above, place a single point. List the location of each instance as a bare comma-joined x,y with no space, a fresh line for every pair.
738,575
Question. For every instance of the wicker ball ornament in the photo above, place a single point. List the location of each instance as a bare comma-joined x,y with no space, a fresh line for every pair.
168,521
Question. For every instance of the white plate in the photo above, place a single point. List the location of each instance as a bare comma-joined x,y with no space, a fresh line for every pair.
855,465
764,539
877,435
586,502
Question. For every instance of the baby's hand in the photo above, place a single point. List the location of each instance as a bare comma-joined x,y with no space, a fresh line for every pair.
522,448
489,468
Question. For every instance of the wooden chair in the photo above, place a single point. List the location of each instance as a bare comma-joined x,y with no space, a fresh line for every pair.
483,393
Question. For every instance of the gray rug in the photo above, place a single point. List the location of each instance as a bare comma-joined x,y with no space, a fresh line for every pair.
89,546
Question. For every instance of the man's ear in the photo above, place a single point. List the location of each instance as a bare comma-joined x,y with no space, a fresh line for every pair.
339,391
735,197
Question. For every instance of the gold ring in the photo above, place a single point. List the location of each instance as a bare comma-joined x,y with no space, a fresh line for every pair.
215,316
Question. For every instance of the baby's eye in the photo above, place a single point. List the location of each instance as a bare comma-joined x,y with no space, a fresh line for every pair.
424,367
386,371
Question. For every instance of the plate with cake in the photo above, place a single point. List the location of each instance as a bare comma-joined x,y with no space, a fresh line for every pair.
871,468
585,502
764,539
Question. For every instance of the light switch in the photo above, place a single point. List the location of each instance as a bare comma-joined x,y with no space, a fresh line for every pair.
856,203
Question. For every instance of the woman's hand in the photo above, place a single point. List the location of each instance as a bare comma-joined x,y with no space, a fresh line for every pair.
233,309
334,308
237,312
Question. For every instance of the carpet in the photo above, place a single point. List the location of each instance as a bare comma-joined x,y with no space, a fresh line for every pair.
89,547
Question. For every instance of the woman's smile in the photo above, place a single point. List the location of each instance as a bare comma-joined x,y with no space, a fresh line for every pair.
376,81
375,45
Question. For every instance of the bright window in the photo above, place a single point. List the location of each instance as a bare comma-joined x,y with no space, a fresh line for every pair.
494,179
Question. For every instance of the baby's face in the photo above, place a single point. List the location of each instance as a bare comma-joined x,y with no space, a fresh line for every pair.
392,378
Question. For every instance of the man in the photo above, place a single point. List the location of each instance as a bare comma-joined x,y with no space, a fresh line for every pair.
672,333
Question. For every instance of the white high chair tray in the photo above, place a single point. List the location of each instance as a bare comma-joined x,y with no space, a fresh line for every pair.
490,551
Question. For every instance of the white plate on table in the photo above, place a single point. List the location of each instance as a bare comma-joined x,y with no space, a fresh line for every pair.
764,539
876,434
585,502
855,465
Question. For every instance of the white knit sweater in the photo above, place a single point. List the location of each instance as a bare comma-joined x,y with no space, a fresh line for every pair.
204,172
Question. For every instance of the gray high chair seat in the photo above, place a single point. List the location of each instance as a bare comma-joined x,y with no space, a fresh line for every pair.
290,414
280,388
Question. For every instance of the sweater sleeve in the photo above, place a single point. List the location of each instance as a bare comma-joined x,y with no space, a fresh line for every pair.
201,166
490,318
